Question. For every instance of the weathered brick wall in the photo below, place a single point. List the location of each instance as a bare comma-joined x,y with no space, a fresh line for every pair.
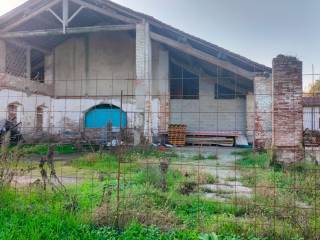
287,109
263,112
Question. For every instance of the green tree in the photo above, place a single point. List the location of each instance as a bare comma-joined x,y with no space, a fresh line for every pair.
315,88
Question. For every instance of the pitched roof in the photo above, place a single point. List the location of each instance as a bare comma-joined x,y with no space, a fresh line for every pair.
156,26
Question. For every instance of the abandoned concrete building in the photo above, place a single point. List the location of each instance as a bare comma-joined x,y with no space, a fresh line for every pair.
72,66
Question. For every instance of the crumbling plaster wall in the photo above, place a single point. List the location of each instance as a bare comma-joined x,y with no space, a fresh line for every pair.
104,64
27,105
61,115
66,110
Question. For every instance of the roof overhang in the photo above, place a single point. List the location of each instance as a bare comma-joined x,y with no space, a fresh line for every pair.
63,18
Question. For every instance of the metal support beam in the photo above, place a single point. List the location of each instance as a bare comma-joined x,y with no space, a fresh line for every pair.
78,30
202,55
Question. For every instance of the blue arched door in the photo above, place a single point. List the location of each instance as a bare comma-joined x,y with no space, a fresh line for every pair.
99,116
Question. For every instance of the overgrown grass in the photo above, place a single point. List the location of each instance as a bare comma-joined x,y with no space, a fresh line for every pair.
285,194
251,159
146,211
42,149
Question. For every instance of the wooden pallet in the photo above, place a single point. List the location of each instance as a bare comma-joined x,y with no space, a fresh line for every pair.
177,134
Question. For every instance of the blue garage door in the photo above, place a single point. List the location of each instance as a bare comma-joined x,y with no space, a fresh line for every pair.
99,116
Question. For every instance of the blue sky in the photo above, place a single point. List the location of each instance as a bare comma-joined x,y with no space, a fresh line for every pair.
255,29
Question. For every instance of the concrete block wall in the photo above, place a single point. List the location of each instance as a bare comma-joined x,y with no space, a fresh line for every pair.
263,112
287,116
208,113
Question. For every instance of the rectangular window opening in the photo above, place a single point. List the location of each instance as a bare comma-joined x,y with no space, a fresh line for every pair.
37,66
183,83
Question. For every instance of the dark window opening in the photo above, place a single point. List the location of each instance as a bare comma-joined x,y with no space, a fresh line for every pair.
37,66
39,119
222,92
228,88
183,83
12,113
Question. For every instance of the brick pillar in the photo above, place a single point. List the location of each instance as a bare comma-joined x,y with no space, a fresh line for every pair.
143,118
250,117
287,109
2,56
263,112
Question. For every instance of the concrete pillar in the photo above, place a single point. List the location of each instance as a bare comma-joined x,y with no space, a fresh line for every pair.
287,123
2,56
250,117
160,90
49,68
143,86
263,112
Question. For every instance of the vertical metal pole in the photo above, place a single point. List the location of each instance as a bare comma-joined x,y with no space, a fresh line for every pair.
119,161
121,103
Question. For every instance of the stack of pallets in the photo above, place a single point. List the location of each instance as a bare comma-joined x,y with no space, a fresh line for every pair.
177,134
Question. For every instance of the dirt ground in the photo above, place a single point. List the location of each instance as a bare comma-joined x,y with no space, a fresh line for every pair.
228,185
223,168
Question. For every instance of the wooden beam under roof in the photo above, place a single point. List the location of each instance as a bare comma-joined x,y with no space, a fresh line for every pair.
106,12
201,55
76,30
31,15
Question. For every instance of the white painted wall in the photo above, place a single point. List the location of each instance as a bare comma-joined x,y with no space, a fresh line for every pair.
311,118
